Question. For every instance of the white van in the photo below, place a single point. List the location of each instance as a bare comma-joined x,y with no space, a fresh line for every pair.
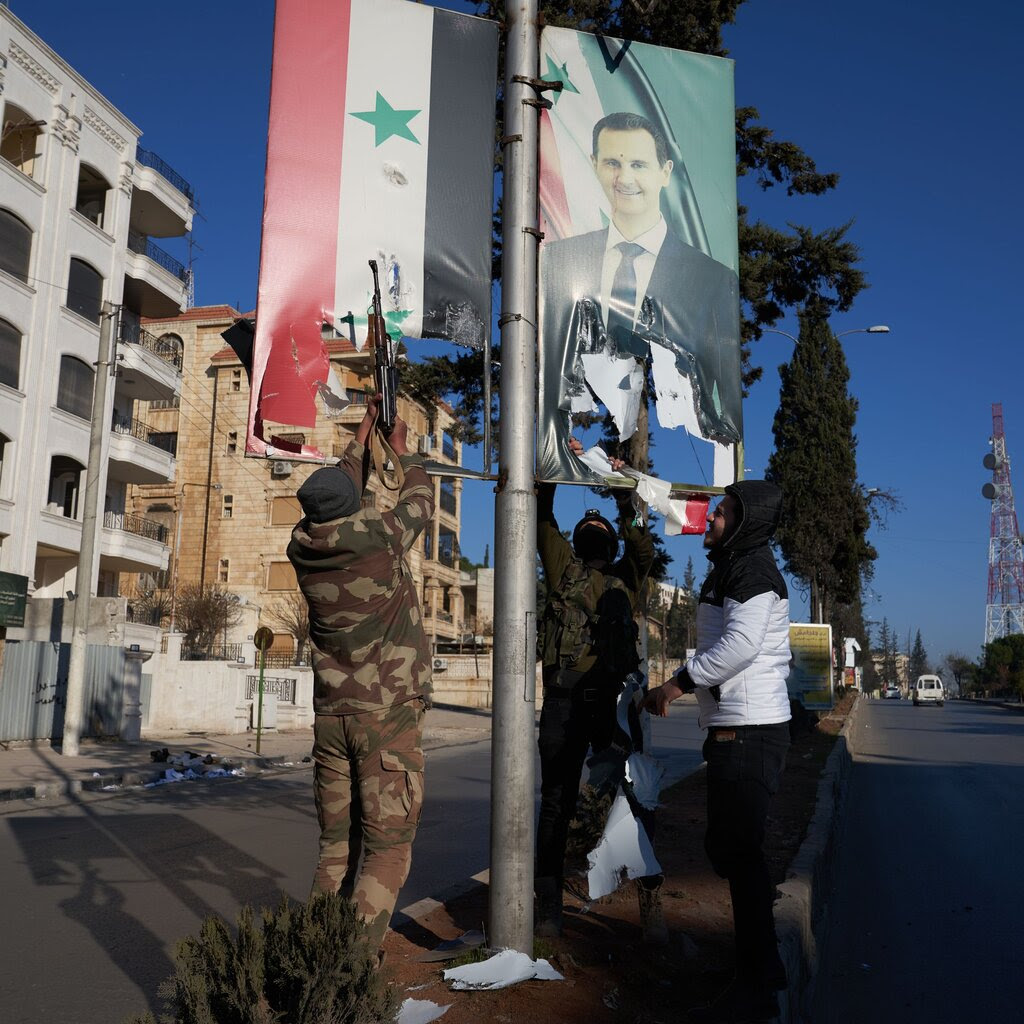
928,690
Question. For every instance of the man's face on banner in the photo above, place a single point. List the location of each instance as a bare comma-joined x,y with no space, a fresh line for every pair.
626,165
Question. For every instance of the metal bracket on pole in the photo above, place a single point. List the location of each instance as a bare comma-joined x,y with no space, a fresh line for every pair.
506,139
540,84
509,318
536,232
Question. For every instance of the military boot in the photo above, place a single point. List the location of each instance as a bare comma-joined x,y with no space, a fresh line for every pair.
548,914
652,916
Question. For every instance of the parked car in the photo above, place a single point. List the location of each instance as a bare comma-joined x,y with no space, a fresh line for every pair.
928,690
892,693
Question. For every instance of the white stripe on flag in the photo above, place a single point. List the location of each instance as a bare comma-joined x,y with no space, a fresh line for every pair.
572,119
384,188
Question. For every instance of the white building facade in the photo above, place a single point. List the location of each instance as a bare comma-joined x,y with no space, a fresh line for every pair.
80,205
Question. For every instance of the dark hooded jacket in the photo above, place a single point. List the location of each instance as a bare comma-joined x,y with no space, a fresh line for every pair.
743,619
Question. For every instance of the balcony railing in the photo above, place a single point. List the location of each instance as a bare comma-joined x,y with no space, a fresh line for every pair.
279,686
148,159
287,659
130,523
145,246
166,442
447,447
131,332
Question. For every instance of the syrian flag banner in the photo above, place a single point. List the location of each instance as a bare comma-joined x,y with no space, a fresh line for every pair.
639,261
380,146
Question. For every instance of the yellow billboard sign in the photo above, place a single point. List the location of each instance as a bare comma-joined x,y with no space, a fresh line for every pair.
810,675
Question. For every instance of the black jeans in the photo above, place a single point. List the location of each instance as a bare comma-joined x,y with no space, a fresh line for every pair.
570,723
745,765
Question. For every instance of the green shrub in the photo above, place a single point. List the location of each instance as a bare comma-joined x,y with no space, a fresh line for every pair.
308,964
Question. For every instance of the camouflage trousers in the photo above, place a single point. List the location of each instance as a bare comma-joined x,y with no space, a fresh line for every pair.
368,784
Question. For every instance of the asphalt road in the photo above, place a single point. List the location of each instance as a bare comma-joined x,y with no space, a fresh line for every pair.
925,920
97,890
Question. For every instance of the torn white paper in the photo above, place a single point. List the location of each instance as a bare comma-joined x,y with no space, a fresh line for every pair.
724,472
632,693
645,774
509,967
597,459
656,493
675,406
419,1011
624,852
334,397
618,382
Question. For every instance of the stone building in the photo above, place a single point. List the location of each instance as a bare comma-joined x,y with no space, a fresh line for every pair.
229,517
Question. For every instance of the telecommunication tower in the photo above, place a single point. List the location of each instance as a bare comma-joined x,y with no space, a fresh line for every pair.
1004,611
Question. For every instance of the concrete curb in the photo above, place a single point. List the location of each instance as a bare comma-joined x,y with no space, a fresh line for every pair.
133,777
799,912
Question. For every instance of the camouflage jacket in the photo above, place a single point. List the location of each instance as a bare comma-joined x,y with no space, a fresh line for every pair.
365,623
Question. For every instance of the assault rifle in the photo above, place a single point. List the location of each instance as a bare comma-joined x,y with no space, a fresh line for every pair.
385,373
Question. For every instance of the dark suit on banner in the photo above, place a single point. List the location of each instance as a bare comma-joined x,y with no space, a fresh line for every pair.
691,307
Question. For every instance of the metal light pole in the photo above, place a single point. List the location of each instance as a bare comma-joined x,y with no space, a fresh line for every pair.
88,554
515,512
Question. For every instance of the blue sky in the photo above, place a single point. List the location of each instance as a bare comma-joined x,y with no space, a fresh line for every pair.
913,104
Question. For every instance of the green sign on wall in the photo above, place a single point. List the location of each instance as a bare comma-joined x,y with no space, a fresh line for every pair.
13,591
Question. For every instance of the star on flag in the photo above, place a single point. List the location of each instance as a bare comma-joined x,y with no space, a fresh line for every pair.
387,121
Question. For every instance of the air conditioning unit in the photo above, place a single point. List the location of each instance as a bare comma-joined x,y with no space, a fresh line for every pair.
426,444
440,664
280,468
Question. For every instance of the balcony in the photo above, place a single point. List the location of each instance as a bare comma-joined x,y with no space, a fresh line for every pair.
132,544
140,455
155,282
150,367
161,198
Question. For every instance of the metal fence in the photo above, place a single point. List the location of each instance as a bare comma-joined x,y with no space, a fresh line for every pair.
215,652
283,660
166,441
34,685
279,686
168,348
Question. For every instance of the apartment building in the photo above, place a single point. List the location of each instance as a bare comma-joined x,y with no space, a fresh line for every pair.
229,518
81,203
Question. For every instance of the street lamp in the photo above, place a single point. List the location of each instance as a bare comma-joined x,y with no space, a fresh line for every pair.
875,329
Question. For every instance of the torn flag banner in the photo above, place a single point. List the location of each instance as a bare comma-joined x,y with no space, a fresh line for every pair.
380,146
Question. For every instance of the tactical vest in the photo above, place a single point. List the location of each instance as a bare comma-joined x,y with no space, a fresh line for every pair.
575,628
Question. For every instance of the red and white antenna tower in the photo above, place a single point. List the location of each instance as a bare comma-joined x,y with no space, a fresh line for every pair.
1004,611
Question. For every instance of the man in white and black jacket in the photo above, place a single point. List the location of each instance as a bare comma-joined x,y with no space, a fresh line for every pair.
739,675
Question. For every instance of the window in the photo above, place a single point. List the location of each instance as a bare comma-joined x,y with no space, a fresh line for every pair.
165,440
428,543
225,565
91,199
232,445
227,506
4,442
447,445
281,576
448,495
85,290
236,380
285,512
356,396
62,492
15,245
10,354
22,138
74,389
447,547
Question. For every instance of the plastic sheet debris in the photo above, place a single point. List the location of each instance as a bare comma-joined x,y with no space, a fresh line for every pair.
509,967
624,852
419,1011
645,775
173,775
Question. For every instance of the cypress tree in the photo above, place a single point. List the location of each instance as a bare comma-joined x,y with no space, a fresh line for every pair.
822,535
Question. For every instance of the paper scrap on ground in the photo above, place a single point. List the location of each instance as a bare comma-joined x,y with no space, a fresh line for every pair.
618,383
509,967
675,405
419,1011
645,775
624,851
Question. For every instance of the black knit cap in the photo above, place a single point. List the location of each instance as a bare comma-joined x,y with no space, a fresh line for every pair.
329,493
595,537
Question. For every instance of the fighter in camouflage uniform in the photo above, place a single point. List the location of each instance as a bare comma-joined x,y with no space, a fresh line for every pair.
371,672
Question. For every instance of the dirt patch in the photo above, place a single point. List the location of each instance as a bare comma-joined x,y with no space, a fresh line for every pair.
611,977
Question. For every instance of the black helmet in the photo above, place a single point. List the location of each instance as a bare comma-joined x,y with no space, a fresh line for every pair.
595,537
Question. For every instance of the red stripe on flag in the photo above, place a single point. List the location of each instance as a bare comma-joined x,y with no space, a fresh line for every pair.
300,212
556,221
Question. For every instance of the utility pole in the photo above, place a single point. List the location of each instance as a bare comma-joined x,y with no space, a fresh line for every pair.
515,507
88,555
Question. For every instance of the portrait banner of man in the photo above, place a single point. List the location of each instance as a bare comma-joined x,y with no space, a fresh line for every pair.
638,266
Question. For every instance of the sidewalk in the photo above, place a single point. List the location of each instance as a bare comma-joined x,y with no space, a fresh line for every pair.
37,771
